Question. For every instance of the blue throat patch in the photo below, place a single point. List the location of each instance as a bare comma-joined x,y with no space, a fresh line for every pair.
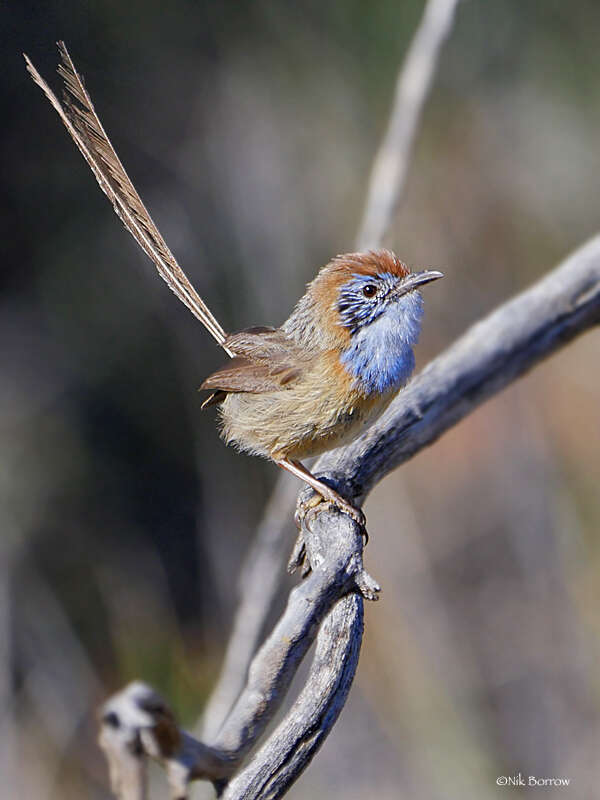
380,355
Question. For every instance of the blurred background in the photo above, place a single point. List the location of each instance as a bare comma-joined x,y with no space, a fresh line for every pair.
249,129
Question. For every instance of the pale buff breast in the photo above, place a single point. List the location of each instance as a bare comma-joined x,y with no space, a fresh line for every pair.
317,413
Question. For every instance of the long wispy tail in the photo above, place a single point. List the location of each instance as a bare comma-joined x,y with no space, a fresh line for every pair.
80,119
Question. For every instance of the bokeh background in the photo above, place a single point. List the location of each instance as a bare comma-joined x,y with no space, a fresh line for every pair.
249,128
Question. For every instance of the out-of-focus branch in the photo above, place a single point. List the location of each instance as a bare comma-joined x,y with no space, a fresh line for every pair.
388,174
260,579
260,584
137,723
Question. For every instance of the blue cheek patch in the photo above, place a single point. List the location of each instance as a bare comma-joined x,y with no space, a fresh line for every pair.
380,355
356,311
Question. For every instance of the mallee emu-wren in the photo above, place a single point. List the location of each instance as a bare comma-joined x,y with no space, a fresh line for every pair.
314,383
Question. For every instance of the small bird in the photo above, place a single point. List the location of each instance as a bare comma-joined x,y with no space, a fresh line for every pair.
317,381
336,363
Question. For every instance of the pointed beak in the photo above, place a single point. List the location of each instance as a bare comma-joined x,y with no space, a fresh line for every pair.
417,279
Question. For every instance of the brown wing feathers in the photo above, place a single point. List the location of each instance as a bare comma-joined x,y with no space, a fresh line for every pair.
242,375
80,119
266,360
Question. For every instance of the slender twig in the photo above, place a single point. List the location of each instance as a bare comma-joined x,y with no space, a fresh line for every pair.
388,174
385,188
488,357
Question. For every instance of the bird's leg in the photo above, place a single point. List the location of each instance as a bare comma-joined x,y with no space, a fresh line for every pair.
309,507
326,492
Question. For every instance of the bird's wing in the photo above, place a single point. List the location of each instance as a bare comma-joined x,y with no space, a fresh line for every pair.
263,343
265,360
80,119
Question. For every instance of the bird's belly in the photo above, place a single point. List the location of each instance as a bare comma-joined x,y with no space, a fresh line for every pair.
298,422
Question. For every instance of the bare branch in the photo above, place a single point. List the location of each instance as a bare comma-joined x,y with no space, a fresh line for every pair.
295,741
137,723
390,167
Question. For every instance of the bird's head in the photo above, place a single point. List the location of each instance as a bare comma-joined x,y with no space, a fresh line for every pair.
380,284
371,306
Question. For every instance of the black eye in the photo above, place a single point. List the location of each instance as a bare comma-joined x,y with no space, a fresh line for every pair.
369,290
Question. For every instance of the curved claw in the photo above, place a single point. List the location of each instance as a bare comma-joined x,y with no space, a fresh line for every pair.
355,513
304,516
307,509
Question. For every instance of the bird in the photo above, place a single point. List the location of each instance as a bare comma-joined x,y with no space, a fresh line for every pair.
317,381
331,369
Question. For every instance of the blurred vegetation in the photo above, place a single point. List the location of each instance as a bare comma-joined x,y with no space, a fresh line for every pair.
249,129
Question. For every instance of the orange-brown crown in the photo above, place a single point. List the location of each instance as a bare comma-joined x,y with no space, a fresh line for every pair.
372,262
325,287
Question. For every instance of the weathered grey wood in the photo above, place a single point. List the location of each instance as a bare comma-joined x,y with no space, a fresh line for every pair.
296,740
137,722
334,548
